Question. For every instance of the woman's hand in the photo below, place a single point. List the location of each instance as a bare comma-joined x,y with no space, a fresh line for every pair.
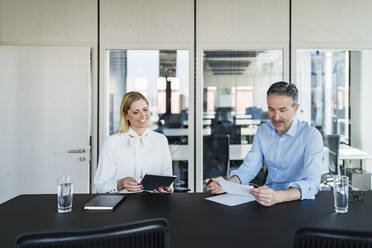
163,190
130,184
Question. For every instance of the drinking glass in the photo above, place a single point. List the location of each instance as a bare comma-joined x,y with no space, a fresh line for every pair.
341,193
65,190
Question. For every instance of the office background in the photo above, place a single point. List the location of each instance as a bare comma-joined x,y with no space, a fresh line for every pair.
296,33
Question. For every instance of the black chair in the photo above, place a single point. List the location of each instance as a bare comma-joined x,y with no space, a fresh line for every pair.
216,156
319,238
333,143
261,177
174,121
223,114
235,134
151,233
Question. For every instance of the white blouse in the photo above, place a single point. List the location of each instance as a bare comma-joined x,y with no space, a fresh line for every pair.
131,155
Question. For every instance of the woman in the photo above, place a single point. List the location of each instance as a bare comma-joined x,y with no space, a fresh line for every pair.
133,151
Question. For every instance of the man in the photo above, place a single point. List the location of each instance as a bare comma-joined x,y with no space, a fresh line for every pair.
291,149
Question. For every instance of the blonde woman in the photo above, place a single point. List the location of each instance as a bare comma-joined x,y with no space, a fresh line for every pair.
133,151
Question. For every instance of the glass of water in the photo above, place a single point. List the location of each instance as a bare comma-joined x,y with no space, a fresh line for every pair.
341,193
65,191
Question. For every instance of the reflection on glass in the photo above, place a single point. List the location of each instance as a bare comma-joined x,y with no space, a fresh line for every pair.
234,104
163,77
325,73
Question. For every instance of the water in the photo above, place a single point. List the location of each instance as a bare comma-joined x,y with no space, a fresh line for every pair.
64,195
341,197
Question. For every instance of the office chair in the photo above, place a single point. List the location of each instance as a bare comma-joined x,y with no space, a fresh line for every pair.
333,144
261,177
235,134
152,233
257,113
216,156
319,238
223,114
174,121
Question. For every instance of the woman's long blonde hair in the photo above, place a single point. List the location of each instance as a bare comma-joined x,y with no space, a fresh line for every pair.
127,101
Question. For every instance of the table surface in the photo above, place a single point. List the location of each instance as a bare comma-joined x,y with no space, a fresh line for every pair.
193,221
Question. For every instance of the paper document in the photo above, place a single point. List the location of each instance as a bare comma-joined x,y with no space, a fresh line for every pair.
234,188
236,194
231,199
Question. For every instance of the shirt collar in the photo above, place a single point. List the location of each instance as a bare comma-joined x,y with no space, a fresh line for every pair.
136,140
291,131
133,133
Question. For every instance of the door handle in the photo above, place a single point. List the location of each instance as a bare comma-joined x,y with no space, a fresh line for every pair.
76,151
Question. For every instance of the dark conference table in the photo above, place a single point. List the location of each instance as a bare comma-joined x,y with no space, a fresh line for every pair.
193,221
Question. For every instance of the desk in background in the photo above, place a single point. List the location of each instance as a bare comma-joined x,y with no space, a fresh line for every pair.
193,221
237,152
183,131
348,153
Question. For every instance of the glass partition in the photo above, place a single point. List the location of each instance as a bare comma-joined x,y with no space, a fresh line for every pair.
163,77
334,99
234,104
324,79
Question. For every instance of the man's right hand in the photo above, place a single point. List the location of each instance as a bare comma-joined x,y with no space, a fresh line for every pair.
213,186
130,184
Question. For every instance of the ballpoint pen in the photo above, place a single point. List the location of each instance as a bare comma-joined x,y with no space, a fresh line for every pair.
210,180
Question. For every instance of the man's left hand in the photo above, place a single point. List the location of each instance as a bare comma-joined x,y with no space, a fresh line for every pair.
265,196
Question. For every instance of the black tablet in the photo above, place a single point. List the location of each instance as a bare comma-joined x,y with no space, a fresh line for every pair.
151,182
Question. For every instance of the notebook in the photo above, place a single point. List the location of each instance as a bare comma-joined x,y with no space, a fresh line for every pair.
104,202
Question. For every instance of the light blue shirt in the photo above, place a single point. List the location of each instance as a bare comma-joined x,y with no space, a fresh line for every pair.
293,160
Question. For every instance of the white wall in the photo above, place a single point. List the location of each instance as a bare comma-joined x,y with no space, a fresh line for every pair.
54,23
333,22
48,22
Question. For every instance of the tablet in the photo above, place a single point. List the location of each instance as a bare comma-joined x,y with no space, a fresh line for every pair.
151,182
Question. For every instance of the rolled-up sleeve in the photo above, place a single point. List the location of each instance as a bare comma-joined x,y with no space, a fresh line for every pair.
313,159
104,179
252,162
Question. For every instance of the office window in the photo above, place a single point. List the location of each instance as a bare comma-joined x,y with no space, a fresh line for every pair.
163,77
234,103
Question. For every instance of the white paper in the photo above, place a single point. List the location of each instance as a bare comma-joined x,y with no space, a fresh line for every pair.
234,188
236,194
231,199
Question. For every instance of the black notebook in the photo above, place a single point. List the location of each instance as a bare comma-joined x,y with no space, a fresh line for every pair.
104,202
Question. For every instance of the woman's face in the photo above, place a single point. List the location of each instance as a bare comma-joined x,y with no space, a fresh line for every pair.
138,115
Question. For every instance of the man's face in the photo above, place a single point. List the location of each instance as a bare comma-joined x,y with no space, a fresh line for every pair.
281,112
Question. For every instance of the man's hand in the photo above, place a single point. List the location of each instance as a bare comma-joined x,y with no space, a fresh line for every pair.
213,186
265,196
268,197
130,184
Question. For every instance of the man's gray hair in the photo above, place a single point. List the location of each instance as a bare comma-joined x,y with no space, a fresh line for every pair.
284,89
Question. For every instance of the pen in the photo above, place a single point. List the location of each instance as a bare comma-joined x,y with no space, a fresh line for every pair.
210,180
